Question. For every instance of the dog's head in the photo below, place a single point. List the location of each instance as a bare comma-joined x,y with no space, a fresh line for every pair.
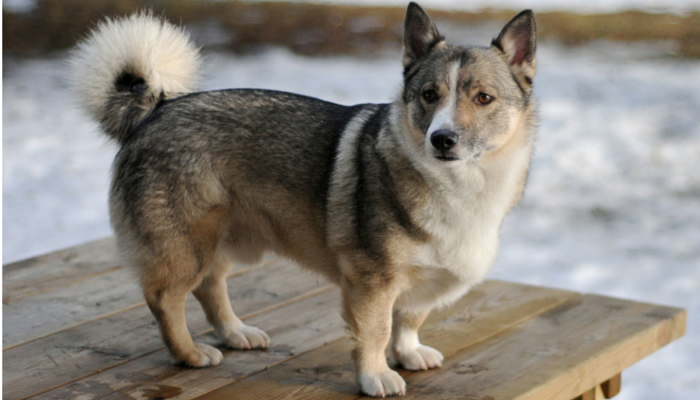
459,104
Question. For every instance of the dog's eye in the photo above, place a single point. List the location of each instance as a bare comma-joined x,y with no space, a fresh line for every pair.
484,98
430,95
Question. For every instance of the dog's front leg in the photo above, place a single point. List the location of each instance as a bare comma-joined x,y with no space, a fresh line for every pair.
409,352
367,309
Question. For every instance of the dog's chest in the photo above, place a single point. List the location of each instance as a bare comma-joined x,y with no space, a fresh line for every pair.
463,219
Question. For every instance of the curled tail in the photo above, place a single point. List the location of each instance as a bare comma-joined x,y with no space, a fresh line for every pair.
125,66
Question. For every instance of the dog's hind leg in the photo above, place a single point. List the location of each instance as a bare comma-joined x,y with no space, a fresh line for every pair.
165,288
409,352
213,296
181,254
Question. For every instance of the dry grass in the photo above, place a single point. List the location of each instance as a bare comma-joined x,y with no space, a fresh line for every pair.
319,29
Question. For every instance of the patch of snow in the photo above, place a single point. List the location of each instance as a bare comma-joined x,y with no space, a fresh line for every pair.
588,6
19,6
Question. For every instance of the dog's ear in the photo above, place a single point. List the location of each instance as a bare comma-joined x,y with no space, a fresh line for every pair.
518,41
420,35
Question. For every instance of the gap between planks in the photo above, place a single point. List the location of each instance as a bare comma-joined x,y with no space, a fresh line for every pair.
606,362
47,272
232,274
246,317
460,326
301,326
61,290
11,298
559,354
107,315
138,376
95,346
530,356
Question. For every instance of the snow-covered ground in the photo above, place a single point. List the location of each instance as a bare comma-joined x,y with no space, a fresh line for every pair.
612,206
586,6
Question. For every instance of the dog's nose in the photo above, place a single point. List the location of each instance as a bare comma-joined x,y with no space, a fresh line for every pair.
444,139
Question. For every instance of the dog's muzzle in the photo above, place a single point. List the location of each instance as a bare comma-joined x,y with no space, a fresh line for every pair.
444,140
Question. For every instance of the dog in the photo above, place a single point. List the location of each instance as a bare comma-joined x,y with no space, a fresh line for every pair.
400,204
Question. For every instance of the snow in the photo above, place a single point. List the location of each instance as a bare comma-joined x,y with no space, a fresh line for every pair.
588,6
612,205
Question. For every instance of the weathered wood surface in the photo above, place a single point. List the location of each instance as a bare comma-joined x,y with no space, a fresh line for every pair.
75,327
42,273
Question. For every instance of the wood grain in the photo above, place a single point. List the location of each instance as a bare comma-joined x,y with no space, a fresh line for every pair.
76,301
560,353
327,372
30,318
324,373
557,355
75,327
60,268
107,342
294,328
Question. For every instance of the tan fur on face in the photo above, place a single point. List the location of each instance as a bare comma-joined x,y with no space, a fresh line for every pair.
517,138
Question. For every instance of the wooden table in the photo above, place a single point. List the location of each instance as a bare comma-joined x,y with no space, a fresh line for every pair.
75,326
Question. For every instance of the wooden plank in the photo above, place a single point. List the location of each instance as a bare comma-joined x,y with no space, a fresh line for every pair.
578,327
613,345
72,354
499,305
30,318
612,386
327,372
591,394
149,374
60,268
324,373
557,355
41,313
599,393
294,327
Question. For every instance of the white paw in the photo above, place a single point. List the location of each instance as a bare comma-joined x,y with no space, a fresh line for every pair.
245,338
203,356
382,384
419,358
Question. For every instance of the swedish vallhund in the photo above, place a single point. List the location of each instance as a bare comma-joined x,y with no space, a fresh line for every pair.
400,204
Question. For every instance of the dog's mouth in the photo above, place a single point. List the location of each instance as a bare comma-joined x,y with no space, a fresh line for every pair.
447,158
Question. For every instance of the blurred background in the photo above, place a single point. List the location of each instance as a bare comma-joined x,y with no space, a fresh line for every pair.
613,202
